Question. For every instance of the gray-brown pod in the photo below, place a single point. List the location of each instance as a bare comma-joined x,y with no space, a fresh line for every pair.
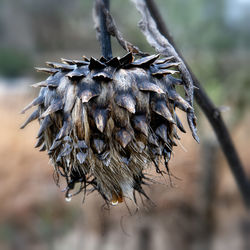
104,122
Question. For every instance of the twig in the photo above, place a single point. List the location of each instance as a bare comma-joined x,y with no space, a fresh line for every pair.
152,20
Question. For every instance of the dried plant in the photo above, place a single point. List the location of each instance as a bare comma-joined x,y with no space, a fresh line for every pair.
103,122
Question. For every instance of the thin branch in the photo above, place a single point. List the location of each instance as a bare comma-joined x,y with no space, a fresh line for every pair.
212,113
101,27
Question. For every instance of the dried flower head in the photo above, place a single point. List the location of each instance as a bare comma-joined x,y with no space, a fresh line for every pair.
103,122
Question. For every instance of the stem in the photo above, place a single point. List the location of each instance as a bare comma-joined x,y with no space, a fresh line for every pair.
105,36
212,114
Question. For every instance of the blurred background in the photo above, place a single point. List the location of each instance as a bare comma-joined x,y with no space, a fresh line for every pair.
202,207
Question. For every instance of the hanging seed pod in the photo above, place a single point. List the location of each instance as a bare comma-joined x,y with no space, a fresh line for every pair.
104,122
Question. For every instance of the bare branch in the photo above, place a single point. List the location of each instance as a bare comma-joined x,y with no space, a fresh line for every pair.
100,24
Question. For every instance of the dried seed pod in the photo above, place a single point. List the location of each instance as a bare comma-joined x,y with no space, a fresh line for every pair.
104,122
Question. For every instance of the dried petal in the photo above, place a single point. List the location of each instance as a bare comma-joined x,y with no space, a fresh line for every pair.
161,109
88,94
63,131
179,124
32,117
101,117
168,65
78,73
81,157
162,132
43,147
46,123
145,61
99,145
55,106
96,64
38,101
39,141
123,137
61,66
55,145
47,70
114,62
80,62
149,86
127,102
82,144
127,59
140,123
165,59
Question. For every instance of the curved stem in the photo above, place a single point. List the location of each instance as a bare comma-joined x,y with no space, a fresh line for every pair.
105,36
